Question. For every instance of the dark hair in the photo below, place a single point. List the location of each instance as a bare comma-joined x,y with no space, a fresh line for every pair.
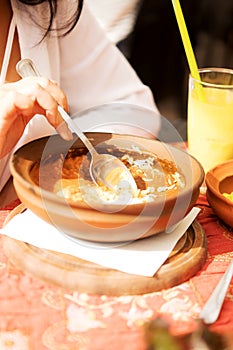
53,7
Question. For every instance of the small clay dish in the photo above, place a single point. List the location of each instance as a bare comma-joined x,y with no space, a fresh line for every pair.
219,180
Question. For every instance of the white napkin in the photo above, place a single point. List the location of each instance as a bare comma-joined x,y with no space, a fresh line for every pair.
143,257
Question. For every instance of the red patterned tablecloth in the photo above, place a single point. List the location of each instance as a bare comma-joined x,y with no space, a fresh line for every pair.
37,316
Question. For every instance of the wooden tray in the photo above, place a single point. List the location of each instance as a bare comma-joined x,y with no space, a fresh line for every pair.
72,273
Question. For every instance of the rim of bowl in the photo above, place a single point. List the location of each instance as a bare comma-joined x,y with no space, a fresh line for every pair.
55,198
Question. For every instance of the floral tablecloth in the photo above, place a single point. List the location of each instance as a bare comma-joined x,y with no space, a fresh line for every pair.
37,316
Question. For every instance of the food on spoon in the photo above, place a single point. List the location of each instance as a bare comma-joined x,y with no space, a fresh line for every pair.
68,176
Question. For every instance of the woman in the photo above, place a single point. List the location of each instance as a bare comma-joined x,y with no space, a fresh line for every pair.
68,46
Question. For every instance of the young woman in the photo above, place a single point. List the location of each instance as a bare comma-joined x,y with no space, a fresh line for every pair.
68,47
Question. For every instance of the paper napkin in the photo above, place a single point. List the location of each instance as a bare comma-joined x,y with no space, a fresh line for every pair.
143,257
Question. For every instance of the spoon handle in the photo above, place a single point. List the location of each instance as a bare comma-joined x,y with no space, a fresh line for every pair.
77,131
26,68
212,308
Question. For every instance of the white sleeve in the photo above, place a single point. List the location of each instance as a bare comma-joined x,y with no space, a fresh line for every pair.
117,18
95,72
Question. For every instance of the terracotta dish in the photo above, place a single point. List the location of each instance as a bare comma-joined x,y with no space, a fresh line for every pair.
111,221
219,180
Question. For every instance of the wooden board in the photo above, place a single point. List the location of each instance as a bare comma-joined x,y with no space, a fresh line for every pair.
72,273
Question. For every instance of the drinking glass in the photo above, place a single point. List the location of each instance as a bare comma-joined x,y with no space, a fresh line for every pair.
210,116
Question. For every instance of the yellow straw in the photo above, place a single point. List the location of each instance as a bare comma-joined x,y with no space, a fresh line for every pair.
186,40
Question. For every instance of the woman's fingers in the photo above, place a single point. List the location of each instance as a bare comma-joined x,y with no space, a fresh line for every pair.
47,96
21,100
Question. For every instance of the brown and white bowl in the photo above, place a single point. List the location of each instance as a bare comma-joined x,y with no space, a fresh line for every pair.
113,222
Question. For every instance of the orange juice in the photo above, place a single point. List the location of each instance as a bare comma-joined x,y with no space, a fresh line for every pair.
210,123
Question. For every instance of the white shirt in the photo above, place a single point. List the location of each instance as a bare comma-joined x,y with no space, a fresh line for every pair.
88,67
117,17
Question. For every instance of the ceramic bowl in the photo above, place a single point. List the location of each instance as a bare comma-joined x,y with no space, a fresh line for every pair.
219,180
113,222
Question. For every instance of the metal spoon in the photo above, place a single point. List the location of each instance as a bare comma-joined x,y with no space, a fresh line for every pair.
105,169
212,307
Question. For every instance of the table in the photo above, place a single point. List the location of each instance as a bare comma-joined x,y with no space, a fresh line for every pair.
38,316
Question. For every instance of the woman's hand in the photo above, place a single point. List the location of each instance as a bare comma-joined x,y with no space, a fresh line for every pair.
21,100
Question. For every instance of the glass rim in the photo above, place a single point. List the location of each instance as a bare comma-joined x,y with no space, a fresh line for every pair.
213,70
